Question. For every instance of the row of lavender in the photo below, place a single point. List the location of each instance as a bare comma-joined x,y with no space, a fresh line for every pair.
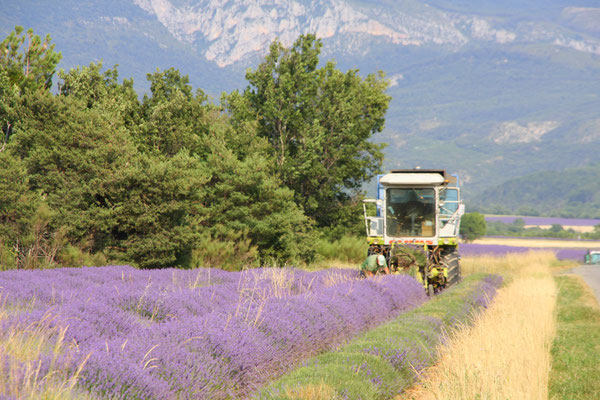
562,253
203,334
386,360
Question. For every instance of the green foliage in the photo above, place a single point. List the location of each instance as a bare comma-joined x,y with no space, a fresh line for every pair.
575,373
17,202
29,63
26,239
74,256
244,196
39,248
155,210
232,254
71,152
318,122
80,155
102,90
346,248
173,118
472,226
93,175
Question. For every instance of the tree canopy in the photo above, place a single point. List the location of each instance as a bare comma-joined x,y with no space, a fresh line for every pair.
28,62
318,121
472,226
94,172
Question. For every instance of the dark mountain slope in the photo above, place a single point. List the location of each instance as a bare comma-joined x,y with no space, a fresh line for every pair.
569,193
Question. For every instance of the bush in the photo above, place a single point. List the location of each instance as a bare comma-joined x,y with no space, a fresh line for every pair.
472,226
73,256
231,254
346,248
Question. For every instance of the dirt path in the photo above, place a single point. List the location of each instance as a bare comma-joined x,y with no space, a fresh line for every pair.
591,276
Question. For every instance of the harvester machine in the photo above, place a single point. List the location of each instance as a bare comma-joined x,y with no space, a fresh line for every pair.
414,222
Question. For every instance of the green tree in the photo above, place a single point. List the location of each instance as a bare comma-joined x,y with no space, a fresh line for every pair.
556,228
159,208
17,207
173,117
9,99
472,226
30,63
138,208
102,90
318,122
244,196
70,151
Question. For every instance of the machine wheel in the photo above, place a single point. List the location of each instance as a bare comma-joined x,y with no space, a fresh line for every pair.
451,261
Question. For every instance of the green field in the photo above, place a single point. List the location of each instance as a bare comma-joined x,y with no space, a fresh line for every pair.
576,351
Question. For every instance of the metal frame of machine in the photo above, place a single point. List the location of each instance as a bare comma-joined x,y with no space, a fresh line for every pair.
416,224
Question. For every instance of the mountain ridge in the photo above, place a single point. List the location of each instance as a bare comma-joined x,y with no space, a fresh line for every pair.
491,89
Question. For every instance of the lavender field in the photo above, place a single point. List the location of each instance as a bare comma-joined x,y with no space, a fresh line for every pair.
562,253
509,219
202,334
385,361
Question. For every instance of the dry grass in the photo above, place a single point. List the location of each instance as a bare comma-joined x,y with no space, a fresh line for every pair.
506,353
331,263
524,242
21,348
511,265
311,392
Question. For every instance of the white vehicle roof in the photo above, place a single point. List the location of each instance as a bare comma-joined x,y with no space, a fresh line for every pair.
409,178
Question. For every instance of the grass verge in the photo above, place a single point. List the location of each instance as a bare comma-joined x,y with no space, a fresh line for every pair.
505,354
575,353
384,361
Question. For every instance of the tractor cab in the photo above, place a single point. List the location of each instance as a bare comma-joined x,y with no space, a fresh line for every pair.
414,206
414,222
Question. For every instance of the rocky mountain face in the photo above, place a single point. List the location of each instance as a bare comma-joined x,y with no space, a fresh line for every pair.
230,32
227,32
493,89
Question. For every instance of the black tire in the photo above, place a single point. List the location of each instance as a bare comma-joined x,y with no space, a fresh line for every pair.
451,261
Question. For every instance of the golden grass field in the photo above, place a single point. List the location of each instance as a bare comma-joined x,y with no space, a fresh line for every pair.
576,228
505,354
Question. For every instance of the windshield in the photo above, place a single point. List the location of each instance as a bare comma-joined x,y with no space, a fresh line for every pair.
448,201
410,212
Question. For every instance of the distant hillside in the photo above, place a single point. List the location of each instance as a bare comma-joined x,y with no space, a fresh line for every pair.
571,193
491,89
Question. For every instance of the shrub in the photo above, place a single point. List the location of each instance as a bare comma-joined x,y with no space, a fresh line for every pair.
231,253
472,226
346,248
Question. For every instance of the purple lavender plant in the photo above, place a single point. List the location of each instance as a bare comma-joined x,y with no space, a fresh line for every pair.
562,253
382,362
207,334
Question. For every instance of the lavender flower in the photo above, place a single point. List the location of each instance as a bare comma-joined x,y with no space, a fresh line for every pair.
201,334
